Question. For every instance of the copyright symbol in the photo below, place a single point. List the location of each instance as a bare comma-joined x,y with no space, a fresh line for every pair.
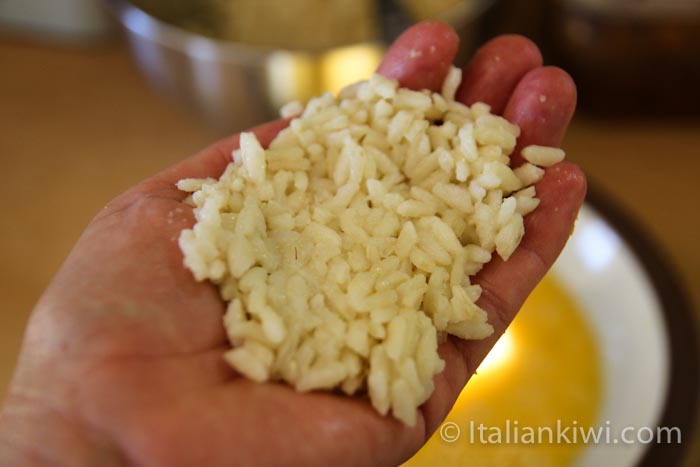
450,432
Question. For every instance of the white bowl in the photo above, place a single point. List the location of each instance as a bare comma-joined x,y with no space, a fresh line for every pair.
645,332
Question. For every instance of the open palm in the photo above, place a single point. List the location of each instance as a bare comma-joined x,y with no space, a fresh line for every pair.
122,361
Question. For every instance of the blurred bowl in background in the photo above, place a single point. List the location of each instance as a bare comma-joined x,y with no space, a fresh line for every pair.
58,21
236,62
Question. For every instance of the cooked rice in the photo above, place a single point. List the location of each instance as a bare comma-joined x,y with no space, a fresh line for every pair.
542,155
348,245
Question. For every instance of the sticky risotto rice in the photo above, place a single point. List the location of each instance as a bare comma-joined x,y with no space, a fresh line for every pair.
346,248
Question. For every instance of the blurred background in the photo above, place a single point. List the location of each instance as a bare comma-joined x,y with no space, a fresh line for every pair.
97,95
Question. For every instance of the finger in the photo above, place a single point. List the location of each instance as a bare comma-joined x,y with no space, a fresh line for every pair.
419,58
507,284
497,67
542,105
422,56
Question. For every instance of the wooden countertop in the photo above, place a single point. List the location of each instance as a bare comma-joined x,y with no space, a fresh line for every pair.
77,126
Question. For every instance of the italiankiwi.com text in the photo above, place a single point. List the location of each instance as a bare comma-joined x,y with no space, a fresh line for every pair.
513,432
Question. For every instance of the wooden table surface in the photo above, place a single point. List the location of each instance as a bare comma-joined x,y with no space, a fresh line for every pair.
77,126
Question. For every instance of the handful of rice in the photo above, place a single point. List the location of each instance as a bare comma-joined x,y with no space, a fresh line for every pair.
347,247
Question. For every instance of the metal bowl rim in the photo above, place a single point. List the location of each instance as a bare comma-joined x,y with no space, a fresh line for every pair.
143,24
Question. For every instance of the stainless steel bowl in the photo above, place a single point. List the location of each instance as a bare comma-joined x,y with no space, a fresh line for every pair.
235,83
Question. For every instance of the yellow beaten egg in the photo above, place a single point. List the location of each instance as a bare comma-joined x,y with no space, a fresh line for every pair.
545,370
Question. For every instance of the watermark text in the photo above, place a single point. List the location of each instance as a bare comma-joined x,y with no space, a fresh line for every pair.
513,432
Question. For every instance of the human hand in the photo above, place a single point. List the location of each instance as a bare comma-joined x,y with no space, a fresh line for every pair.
122,360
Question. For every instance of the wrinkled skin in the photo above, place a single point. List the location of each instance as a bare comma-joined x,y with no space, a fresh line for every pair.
121,363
